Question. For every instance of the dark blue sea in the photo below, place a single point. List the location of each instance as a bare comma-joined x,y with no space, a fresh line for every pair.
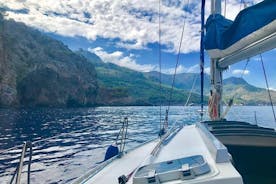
69,142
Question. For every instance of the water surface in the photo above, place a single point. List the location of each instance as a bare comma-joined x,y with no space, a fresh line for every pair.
68,142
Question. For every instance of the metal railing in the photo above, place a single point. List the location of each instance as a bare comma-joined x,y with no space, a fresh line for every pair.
122,136
18,171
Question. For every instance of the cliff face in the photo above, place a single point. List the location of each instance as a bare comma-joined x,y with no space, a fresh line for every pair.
36,70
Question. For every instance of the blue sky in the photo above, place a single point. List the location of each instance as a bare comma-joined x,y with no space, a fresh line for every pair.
125,32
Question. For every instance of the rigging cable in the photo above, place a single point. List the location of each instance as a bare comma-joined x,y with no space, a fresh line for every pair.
242,2
177,59
190,93
160,67
225,4
267,86
231,100
202,57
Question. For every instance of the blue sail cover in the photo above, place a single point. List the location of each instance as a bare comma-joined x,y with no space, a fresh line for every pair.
222,33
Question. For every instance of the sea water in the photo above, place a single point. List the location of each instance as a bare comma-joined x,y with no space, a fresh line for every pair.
69,142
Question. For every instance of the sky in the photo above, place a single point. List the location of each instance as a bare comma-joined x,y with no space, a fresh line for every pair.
126,32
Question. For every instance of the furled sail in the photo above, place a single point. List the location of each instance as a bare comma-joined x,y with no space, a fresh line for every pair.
252,32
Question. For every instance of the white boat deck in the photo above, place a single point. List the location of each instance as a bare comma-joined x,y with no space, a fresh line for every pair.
189,141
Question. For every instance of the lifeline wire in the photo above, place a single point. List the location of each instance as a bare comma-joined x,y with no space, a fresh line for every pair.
267,86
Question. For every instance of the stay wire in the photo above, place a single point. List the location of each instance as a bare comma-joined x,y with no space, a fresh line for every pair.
177,60
267,86
241,3
201,56
190,93
242,74
189,96
231,100
160,62
225,6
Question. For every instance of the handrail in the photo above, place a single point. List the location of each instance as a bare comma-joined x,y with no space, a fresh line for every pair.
19,168
19,172
123,134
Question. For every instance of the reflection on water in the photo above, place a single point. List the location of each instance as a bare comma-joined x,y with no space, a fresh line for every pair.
68,142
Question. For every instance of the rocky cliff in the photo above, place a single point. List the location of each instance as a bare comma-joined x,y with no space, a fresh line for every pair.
36,70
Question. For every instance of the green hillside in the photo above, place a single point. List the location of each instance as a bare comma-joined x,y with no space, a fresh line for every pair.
182,81
125,86
245,93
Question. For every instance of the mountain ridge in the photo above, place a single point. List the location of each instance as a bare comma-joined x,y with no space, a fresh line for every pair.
37,70
245,93
135,84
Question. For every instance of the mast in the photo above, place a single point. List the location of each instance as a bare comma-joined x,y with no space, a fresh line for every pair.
216,75
202,56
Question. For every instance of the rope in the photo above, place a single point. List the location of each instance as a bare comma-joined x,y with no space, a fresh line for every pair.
212,105
267,86
177,59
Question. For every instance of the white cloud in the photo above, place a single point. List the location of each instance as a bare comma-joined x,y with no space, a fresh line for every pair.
207,70
240,72
183,69
272,89
131,46
120,59
133,22
129,61
171,71
193,69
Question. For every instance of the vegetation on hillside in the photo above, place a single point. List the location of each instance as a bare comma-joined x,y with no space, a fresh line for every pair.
37,70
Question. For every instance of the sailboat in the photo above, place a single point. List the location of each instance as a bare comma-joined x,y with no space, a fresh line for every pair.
191,153
253,32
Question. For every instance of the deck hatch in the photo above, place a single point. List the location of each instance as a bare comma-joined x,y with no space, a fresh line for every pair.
179,169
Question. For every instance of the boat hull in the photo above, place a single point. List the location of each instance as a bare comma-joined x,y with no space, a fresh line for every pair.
253,149
257,165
